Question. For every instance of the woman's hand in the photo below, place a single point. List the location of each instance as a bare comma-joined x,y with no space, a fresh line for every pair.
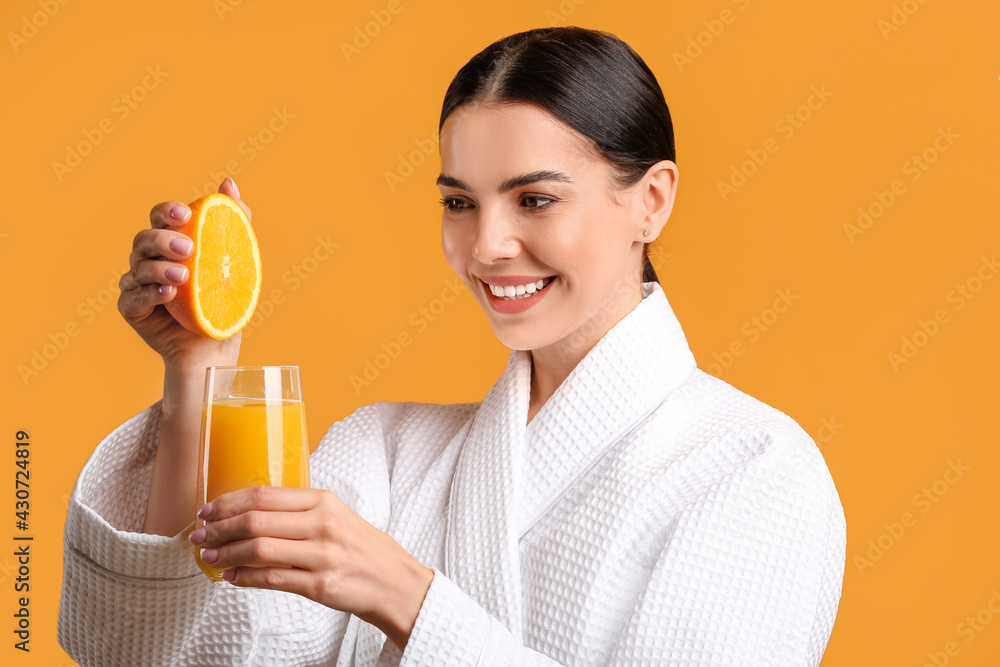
307,541
152,279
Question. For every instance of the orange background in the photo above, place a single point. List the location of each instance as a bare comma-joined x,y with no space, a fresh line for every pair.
888,428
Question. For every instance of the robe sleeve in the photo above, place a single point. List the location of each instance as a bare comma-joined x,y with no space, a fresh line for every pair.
752,569
750,572
452,630
131,598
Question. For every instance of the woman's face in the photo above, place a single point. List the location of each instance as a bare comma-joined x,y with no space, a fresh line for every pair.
525,201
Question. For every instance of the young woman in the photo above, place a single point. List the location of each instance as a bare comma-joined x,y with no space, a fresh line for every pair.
606,503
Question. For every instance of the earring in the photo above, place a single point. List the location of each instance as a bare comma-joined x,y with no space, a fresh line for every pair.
647,233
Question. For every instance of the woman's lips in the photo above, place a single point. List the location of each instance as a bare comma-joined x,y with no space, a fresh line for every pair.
515,306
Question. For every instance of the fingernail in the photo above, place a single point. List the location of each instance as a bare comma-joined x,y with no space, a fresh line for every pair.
233,183
210,555
181,213
229,575
182,246
205,510
164,289
197,536
177,273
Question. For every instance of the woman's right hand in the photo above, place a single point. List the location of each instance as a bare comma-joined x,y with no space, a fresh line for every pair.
152,279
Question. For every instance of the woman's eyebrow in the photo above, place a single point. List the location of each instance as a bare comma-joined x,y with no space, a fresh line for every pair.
510,183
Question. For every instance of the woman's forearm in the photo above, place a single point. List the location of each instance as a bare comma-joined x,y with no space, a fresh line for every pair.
171,504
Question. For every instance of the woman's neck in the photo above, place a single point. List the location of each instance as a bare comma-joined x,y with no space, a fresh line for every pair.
546,376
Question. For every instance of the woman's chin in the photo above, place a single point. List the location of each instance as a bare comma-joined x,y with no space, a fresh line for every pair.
523,340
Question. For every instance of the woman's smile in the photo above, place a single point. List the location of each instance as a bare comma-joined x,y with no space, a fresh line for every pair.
516,297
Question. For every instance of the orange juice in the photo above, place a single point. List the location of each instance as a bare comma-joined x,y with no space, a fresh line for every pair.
251,442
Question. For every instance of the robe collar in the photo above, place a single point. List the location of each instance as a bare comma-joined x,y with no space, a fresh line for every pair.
626,375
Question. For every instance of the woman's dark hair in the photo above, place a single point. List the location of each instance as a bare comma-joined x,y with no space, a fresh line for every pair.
591,81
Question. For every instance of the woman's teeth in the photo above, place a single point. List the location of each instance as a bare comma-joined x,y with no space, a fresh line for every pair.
513,292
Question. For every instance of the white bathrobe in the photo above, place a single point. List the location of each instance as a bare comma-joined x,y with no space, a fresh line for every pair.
649,514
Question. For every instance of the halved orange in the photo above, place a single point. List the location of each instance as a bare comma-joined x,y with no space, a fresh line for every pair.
224,271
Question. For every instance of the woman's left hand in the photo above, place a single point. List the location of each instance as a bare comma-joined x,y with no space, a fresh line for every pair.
307,541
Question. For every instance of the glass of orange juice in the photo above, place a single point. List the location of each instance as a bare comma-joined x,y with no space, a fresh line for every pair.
253,432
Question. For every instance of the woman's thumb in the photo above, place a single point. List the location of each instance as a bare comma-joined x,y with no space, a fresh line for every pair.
228,187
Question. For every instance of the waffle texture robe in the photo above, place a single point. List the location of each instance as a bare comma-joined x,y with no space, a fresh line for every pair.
649,514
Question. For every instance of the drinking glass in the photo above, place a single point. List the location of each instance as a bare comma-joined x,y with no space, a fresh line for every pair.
253,432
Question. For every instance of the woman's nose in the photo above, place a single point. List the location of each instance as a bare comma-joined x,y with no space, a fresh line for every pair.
496,236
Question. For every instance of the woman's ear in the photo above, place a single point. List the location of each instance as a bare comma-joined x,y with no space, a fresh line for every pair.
658,190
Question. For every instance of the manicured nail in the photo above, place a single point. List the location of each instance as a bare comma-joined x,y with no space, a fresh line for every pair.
164,289
197,536
182,247
210,555
205,510
233,183
229,575
177,273
181,213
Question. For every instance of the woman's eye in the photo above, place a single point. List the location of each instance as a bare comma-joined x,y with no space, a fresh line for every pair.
531,201
453,204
